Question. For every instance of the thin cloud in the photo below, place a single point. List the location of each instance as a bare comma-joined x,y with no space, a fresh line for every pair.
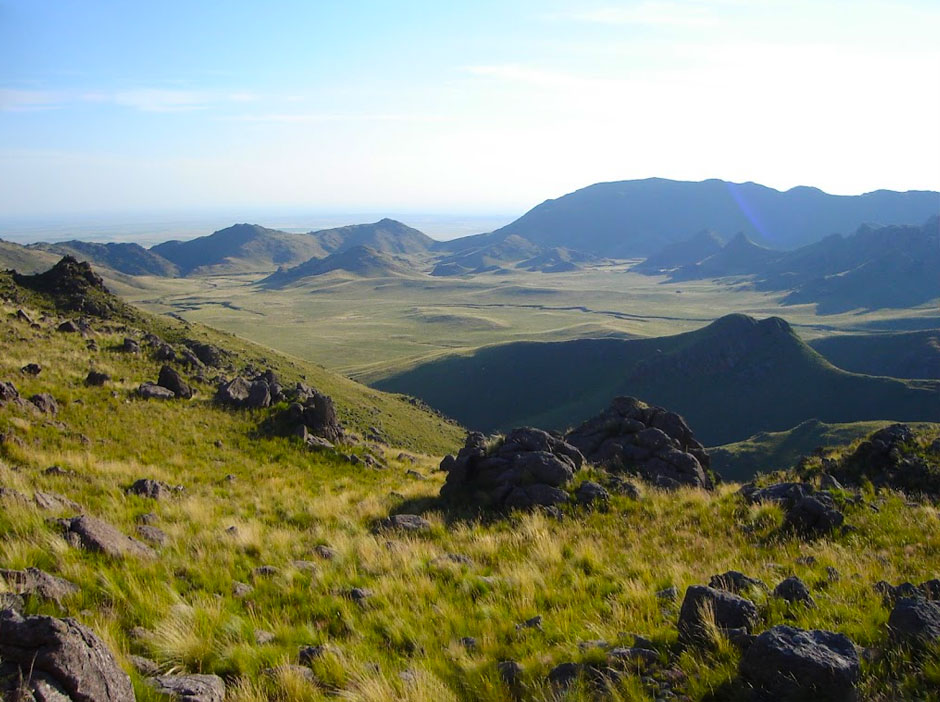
28,100
666,14
311,117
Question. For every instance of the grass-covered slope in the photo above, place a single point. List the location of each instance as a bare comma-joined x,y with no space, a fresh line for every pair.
780,450
250,501
730,380
913,354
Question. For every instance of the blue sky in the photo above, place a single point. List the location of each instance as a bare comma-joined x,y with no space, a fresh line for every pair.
116,106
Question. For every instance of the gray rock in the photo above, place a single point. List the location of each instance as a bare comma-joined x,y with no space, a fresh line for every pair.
633,654
130,346
148,487
564,675
69,327
669,594
308,654
151,391
265,571
589,492
54,502
45,403
785,663
144,666
510,672
152,534
234,393
31,369
173,381
240,590
813,516
190,688
96,378
736,582
794,590
325,552
405,522
93,534
701,603
34,581
359,594
76,662
915,621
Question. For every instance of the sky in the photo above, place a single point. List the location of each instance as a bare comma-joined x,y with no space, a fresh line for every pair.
109,106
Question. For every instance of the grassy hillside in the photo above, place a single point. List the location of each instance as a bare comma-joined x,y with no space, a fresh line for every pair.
900,355
773,451
731,379
250,501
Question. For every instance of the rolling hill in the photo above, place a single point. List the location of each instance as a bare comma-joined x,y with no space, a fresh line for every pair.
740,256
731,379
360,260
386,236
635,218
682,253
913,354
127,258
240,248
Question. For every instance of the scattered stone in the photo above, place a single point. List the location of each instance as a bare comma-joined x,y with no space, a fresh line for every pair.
564,675
308,654
704,605
54,502
241,589
147,487
265,571
590,492
510,673
173,381
164,352
23,317
533,623
469,643
8,393
13,495
144,666
325,552
794,590
59,472
69,327
39,583
527,469
312,414
813,516
890,458
828,482
263,637
623,487
93,534
359,594
96,378
669,594
207,354
73,662
190,688
150,391
633,654
415,474
130,346
152,534
31,369
655,444
411,523
788,663
915,621
45,403
147,518
735,582
784,494
309,566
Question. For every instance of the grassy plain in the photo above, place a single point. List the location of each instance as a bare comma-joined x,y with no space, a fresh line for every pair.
369,328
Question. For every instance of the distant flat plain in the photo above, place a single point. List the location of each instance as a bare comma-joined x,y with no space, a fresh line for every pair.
368,328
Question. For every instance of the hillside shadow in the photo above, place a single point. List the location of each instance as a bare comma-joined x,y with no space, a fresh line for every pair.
454,514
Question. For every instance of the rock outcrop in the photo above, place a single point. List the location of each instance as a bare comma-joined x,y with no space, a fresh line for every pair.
250,393
38,583
652,442
528,468
785,663
190,688
312,416
93,534
891,458
809,514
705,609
61,660
173,381
915,621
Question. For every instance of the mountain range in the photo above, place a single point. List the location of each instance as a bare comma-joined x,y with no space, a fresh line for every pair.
731,379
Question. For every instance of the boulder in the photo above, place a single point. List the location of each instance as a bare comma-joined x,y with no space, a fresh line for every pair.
651,442
96,378
68,327
38,583
147,487
233,393
735,582
704,605
312,415
785,663
164,352
8,393
590,492
31,369
93,534
190,688
54,502
151,391
130,346
71,660
891,457
529,468
207,354
45,403
813,516
915,621
152,534
173,381
794,590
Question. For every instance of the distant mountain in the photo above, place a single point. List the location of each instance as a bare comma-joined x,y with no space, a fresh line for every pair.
682,253
359,260
480,256
636,218
731,379
386,235
240,248
913,354
25,259
740,256
555,260
132,259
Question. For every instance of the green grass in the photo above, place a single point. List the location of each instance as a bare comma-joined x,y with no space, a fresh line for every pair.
914,354
592,575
